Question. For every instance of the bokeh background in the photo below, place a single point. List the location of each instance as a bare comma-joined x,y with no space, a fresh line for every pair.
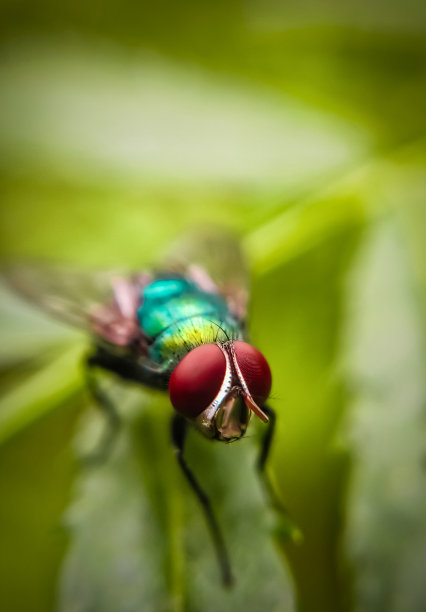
300,126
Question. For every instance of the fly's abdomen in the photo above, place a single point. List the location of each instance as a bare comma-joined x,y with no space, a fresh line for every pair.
178,316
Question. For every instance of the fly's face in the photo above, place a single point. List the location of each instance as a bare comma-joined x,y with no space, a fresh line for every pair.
218,386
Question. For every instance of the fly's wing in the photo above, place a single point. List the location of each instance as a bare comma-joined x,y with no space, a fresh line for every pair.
214,260
105,303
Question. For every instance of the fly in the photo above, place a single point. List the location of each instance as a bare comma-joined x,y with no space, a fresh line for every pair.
180,328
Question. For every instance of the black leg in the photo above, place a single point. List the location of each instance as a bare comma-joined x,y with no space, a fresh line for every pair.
267,440
179,428
105,404
289,527
263,458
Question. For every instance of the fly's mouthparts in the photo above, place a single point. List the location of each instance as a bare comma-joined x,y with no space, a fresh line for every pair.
233,416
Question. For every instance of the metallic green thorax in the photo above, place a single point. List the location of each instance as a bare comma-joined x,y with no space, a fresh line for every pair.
177,316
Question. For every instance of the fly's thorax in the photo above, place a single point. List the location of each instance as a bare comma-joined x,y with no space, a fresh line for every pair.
157,317
185,335
167,300
178,316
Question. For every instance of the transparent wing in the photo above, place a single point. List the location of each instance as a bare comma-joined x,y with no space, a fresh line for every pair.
62,292
103,303
213,258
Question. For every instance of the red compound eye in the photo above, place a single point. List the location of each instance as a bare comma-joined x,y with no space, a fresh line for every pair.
255,370
197,379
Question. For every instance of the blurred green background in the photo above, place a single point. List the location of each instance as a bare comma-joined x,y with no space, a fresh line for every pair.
301,127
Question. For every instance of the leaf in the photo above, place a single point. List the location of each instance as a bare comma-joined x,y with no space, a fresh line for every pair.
41,392
167,113
140,541
385,361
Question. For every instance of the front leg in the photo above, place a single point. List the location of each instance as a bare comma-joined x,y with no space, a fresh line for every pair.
289,526
179,429
264,455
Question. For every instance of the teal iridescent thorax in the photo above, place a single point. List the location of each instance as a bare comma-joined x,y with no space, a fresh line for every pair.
178,316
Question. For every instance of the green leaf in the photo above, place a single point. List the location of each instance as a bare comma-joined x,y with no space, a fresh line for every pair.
139,539
41,392
385,360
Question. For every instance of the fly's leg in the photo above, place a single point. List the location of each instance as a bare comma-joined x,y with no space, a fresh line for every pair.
264,454
179,429
289,526
107,407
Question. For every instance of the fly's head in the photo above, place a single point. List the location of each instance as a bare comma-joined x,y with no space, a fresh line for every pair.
218,386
